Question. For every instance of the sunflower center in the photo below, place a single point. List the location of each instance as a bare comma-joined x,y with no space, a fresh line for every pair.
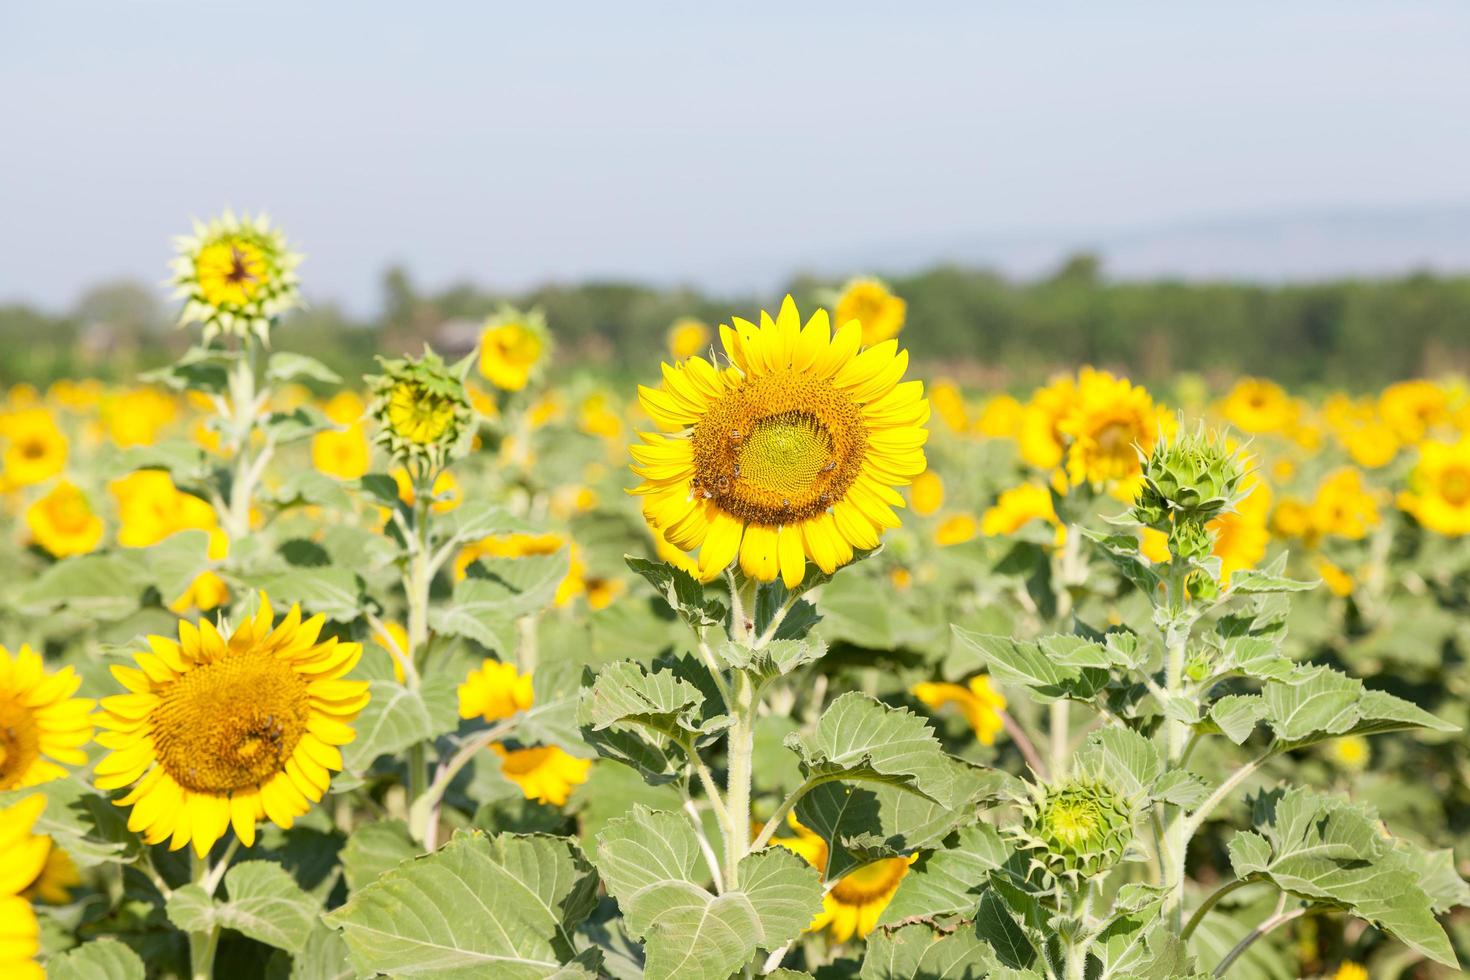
1454,485
419,415
230,272
1073,825
1115,439
20,742
871,882
779,449
230,724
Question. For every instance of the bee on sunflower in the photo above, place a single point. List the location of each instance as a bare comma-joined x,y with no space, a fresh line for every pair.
217,732
236,276
790,453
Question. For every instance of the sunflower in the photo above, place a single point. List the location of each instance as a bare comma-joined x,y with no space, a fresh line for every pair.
1108,424
949,404
956,529
136,417
513,347
59,875
218,732
342,453
494,691
926,495
1019,506
1439,488
1350,752
422,409
1344,507
596,417
41,724
870,303
35,448
63,522
207,591
544,773
789,454
1000,418
25,857
1255,406
236,275
1351,971
980,703
1042,442
1414,408
854,903
687,337
152,508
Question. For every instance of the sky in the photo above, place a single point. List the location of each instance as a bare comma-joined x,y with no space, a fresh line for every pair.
720,145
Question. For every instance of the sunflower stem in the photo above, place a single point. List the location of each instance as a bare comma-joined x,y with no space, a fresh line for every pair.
1176,646
244,405
737,793
202,944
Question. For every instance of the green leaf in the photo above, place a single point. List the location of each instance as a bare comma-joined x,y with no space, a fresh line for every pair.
198,369
1124,758
497,592
627,694
80,821
776,659
286,366
950,881
300,423
859,738
683,592
324,957
334,592
398,716
1013,661
1319,700
376,848
503,906
310,488
1236,715
1265,580
97,586
997,926
263,902
651,864
97,959
921,952
1140,947
476,519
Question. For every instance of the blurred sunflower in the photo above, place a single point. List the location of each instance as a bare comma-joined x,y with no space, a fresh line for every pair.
853,905
1109,422
35,449
1255,406
956,529
949,404
1344,507
25,857
446,490
422,409
494,691
217,733
63,522
544,772
1019,506
1439,488
1414,409
136,417
1351,971
58,876
513,347
151,508
879,311
790,454
687,337
236,275
1042,441
41,725
980,703
926,495
1000,418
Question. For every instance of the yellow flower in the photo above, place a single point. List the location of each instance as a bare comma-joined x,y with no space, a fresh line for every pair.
949,404
63,523
494,691
1439,488
791,454
81,395
980,703
398,637
236,275
151,508
926,495
1255,406
1108,424
1414,408
41,725
544,773
506,546
343,453
1293,519
1241,536
1371,443
572,499
1343,506
1350,752
687,337
1042,442
207,591
1001,418
136,417
596,417
446,491
956,529
667,552
1350,971
545,410
53,885
35,448
345,408
219,733
1017,507
418,416
25,857
853,905
902,579
511,349
869,302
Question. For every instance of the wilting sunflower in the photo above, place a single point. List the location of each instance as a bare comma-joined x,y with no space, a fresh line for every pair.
220,732
1110,421
852,906
1439,488
63,522
789,454
25,857
41,724
35,449
513,347
870,303
980,703
236,275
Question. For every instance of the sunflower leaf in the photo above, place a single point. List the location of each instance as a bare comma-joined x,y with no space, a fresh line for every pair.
496,593
503,906
100,959
862,739
919,952
287,366
683,592
263,902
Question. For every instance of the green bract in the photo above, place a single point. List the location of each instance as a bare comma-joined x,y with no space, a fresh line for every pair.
422,410
1079,828
1191,476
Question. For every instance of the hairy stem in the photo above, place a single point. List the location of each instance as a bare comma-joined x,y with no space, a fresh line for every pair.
202,945
737,793
1281,917
1059,739
1209,903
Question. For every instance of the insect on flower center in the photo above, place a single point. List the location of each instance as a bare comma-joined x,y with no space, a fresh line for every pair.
779,449
230,724
20,742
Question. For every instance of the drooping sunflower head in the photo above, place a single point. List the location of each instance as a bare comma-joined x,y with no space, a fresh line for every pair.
788,454
236,275
219,732
871,304
42,727
422,409
513,348
1079,828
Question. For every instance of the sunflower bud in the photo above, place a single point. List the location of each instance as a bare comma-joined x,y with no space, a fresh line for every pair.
1192,476
1080,828
422,409
236,276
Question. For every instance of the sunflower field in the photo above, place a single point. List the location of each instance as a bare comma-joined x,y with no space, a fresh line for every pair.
791,662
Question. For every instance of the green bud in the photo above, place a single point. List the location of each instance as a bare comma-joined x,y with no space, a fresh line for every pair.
1190,538
1192,475
422,410
1079,828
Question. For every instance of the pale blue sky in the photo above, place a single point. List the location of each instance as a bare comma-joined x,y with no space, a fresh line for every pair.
680,142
